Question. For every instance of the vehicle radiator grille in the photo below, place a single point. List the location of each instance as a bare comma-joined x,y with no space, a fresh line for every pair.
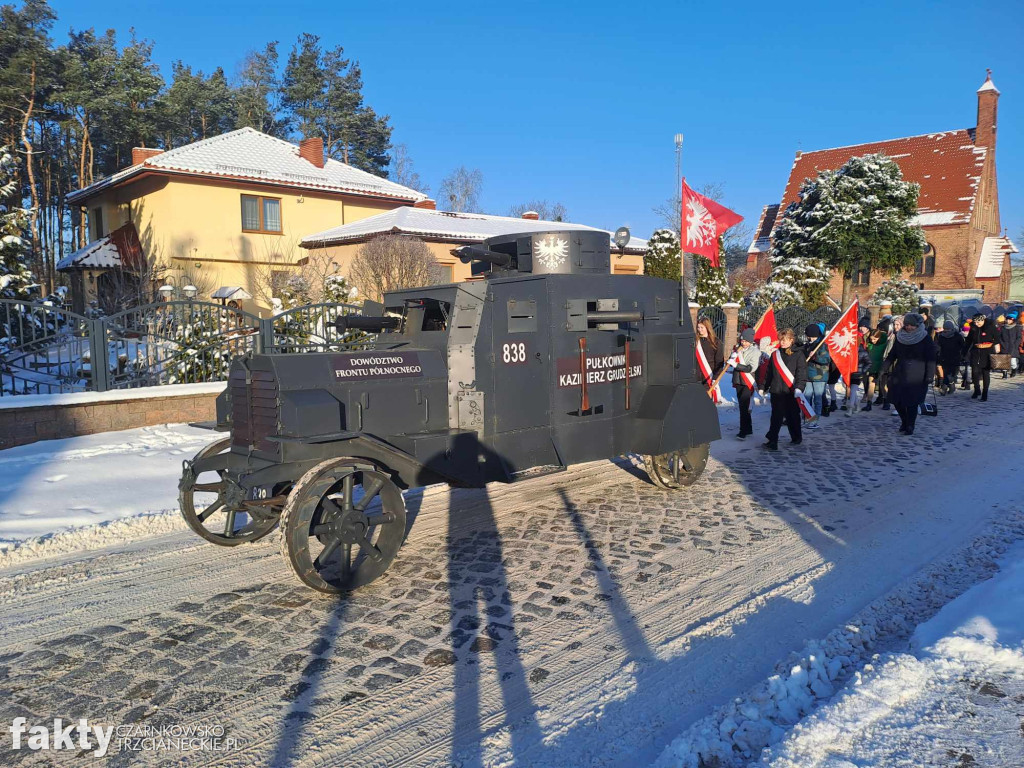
254,410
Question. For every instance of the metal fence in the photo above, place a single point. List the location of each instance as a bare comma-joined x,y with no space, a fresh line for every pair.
46,349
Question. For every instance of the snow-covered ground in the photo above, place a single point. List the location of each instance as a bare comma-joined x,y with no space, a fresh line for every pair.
62,495
955,697
585,618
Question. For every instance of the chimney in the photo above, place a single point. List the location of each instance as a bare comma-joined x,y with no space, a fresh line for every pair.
142,154
532,215
429,204
312,149
988,100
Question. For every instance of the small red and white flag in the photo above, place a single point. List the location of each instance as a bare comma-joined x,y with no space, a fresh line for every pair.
767,327
745,376
704,221
787,376
842,342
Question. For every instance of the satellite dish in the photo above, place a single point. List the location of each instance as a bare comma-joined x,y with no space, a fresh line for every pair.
621,237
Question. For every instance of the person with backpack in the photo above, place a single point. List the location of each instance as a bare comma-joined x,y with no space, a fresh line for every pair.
818,363
950,344
745,362
787,376
911,365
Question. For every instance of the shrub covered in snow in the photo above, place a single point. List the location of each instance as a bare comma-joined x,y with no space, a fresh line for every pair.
15,275
902,294
712,289
663,257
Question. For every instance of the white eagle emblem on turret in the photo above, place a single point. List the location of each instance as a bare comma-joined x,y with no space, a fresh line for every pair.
551,251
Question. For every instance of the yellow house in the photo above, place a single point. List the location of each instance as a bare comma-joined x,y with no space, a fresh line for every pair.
228,211
444,230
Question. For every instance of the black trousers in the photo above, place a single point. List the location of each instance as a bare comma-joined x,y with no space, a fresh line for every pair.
980,373
743,395
784,410
908,416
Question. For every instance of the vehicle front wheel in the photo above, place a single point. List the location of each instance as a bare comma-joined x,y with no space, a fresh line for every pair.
342,525
678,469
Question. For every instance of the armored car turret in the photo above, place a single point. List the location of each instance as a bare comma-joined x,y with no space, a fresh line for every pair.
547,360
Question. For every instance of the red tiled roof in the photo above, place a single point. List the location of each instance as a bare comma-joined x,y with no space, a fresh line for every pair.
947,166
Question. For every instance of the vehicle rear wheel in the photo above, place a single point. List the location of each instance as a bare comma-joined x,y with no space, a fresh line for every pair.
223,517
678,469
342,525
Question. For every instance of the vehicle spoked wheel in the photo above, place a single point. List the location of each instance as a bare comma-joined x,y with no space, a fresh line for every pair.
678,469
214,507
342,525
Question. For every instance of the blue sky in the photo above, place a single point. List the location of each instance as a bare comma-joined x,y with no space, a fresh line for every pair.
578,102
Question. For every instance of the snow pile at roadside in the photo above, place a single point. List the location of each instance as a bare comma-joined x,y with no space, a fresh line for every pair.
948,700
59,496
736,733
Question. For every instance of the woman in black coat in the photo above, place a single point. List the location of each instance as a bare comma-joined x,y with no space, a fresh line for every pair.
951,349
911,366
982,343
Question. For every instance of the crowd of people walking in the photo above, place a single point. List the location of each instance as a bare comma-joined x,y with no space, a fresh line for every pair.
900,361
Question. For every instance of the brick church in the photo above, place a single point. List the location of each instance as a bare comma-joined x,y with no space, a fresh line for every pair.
958,207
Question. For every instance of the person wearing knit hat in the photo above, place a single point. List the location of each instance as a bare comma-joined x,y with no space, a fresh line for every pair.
745,362
911,365
1009,342
818,360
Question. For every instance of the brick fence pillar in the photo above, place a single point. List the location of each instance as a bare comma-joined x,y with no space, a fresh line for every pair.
873,312
885,308
694,309
732,324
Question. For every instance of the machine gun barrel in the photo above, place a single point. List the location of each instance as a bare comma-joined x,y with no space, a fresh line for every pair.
609,316
468,253
363,323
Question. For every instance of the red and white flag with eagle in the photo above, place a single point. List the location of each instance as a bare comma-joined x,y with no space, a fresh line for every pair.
779,363
704,221
843,341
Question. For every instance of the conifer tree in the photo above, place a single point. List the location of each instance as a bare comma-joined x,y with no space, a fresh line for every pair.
15,276
663,256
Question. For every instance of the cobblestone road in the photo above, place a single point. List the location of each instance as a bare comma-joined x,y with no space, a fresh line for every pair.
574,619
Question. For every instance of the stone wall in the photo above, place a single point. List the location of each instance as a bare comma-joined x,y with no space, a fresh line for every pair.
26,419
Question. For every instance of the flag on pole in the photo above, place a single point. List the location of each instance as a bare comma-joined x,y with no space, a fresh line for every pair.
842,342
704,221
767,327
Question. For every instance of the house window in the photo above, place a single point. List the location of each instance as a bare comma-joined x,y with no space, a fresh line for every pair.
96,220
261,214
444,273
926,263
861,275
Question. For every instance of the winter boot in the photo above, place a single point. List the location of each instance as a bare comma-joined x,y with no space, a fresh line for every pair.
976,395
866,407
771,446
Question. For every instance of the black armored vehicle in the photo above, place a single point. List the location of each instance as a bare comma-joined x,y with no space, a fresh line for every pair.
549,360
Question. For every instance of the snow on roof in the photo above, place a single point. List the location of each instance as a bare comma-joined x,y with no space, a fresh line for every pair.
762,242
947,165
230,292
446,225
993,254
249,154
120,248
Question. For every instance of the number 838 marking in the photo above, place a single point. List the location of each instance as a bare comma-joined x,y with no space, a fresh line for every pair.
513,353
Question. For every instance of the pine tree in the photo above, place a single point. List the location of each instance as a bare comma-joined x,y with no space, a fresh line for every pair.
901,293
256,91
663,257
196,106
858,217
795,281
16,279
